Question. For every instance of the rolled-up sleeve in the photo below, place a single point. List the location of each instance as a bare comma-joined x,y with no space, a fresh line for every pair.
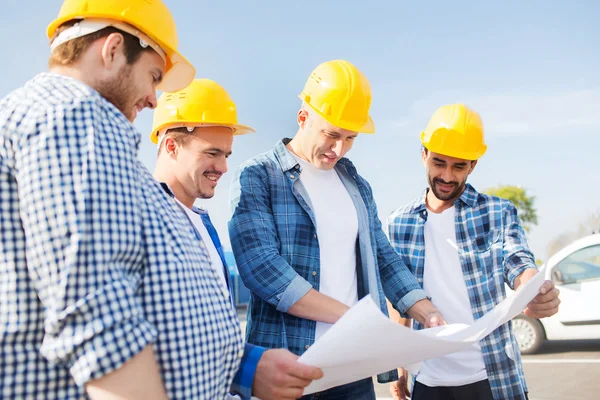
517,256
78,189
255,243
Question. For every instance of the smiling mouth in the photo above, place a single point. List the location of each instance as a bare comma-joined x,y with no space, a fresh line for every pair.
212,178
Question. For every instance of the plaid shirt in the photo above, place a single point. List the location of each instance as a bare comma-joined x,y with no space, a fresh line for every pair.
243,379
492,250
96,261
274,240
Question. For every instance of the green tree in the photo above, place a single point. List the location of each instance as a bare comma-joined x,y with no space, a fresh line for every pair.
521,199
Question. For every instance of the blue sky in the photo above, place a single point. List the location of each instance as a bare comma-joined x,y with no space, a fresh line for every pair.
530,68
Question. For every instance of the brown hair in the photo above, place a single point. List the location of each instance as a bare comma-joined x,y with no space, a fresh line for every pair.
71,51
180,135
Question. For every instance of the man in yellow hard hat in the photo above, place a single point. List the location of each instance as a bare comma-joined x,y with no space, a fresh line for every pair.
463,247
305,231
105,292
194,130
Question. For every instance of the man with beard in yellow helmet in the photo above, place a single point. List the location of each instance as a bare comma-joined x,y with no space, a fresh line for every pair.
463,247
194,130
105,292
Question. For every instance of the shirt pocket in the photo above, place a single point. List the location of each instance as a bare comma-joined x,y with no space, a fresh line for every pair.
487,253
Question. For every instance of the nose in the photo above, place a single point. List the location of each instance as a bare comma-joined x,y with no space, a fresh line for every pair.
222,165
447,174
151,100
338,148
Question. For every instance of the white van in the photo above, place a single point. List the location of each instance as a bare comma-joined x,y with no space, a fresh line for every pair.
575,270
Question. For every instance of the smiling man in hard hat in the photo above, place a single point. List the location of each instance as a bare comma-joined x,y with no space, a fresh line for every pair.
194,130
105,292
305,231
463,246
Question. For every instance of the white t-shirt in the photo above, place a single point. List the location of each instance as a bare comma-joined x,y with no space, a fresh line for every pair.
443,280
215,259
337,231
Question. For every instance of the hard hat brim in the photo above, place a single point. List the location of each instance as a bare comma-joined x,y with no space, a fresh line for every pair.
368,127
238,129
178,75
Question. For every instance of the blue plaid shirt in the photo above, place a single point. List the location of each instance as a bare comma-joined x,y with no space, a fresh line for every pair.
492,250
96,260
274,240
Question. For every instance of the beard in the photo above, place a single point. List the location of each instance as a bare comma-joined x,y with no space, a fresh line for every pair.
446,196
120,93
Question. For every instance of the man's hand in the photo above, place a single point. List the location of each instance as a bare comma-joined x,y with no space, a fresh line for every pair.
546,303
427,314
280,376
434,319
399,389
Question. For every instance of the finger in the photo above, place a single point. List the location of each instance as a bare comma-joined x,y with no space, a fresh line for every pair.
305,372
540,314
549,305
546,287
294,382
394,391
550,295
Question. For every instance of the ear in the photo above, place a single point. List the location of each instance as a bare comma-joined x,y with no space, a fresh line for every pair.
171,146
424,154
113,51
473,164
302,117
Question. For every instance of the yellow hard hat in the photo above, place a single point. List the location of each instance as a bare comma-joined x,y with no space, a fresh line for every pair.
456,131
149,20
341,94
203,103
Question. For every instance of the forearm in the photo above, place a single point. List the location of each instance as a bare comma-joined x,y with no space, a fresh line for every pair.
138,378
525,276
318,307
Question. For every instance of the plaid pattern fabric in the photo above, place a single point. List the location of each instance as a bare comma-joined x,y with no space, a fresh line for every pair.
493,251
274,240
96,260
244,377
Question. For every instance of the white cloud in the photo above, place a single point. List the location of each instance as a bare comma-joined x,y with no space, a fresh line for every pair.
516,114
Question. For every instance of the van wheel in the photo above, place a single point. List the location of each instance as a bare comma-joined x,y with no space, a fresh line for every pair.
529,333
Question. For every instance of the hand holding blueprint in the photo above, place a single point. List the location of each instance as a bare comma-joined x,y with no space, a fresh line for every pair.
364,342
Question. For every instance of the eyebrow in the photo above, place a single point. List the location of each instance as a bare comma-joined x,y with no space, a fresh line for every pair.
327,131
216,150
459,164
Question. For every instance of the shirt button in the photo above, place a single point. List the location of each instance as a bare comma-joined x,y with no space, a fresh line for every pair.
292,176
314,273
307,346
315,235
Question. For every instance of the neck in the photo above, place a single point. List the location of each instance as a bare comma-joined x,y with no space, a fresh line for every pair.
294,147
436,205
163,174
75,72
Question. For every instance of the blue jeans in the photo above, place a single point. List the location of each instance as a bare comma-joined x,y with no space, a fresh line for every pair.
359,390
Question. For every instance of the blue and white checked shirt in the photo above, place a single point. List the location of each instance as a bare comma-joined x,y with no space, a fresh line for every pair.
96,260
244,378
274,240
492,250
